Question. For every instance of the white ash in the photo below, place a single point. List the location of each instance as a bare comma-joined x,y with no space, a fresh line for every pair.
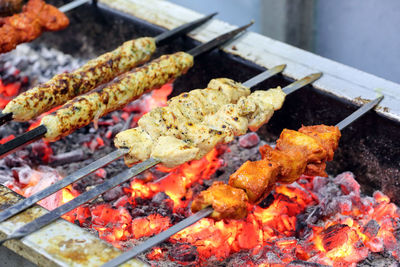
38,62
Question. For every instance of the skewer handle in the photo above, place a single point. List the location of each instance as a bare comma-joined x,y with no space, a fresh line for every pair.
5,117
22,140
181,30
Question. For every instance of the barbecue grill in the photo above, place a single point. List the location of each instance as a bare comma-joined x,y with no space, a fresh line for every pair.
369,148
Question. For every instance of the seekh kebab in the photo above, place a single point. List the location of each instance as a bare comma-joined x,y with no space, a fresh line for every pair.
79,174
83,109
224,201
226,117
95,72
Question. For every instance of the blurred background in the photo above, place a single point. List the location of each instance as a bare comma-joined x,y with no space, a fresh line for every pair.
364,34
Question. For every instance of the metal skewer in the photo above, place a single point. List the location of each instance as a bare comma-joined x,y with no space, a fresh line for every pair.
41,130
109,184
159,40
72,5
159,238
79,174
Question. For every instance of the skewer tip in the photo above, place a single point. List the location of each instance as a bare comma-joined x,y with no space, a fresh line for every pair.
315,76
280,68
212,15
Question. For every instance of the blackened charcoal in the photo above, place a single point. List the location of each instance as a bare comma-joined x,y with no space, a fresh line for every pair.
184,253
266,202
160,197
138,212
113,194
300,263
371,229
13,161
68,157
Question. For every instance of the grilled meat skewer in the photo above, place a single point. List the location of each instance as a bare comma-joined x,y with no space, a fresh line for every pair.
179,133
294,152
207,211
116,94
114,181
95,72
79,174
83,109
36,17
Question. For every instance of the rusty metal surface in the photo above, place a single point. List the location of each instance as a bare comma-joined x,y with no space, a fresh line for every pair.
339,80
59,244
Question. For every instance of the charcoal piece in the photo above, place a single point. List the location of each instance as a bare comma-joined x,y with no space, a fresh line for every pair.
335,235
113,194
160,197
249,140
371,228
13,161
184,253
300,263
138,212
67,157
266,202
347,183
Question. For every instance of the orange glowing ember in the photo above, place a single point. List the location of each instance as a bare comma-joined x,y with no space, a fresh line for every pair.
298,223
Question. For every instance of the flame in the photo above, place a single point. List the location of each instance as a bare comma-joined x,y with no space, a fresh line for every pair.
7,92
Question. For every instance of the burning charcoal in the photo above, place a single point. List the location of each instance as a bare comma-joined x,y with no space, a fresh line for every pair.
266,202
138,212
300,263
348,183
160,197
66,158
335,236
184,254
41,150
249,140
22,174
13,161
371,228
269,257
319,183
113,194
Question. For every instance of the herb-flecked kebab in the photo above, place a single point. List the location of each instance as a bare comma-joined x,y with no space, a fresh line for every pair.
223,201
95,72
127,87
228,118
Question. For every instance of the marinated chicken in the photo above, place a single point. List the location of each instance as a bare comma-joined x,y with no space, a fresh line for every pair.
66,86
196,125
293,155
256,178
35,18
109,97
227,202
